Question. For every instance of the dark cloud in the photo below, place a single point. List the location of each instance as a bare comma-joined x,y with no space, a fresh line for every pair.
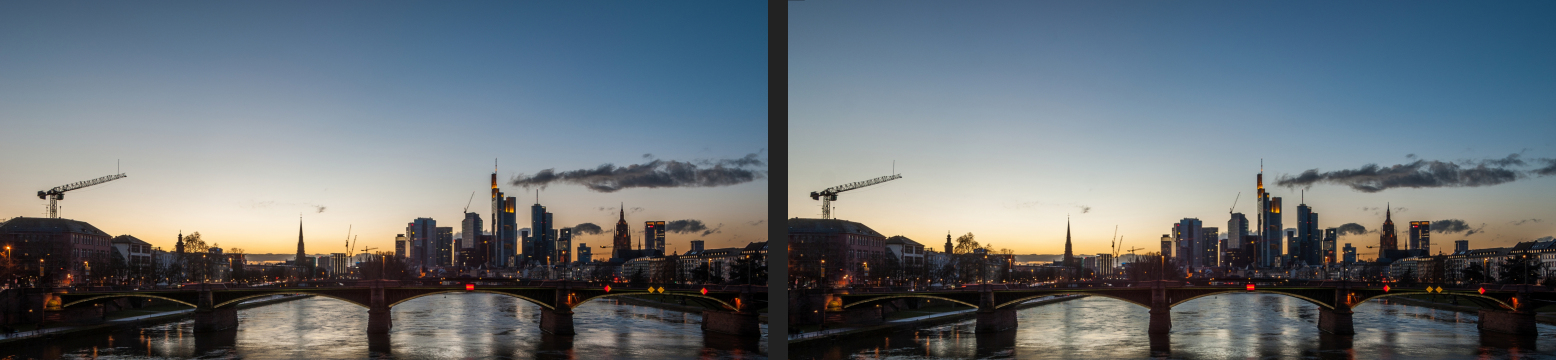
714,230
1422,174
755,223
320,207
1547,238
653,174
1351,229
1521,222
1452,226
685,226
587,229
1410,156
648,156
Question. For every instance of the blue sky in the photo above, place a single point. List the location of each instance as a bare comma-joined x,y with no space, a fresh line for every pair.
232,117
1004,116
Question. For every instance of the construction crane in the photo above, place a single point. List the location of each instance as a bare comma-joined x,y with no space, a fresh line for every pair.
830,194
1234,203
472,198
58,192
1115,243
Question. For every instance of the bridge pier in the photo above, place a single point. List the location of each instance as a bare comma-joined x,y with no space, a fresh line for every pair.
1161,311
1508,322
995,320
1336,321
209,318
378,320
733,323
557,322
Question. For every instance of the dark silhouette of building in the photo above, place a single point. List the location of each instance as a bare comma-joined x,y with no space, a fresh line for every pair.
622,242
1069,258
63,245
444,247
1388,240
1330,236
1460,246
842,246
300,254
422,233
948,242
654,236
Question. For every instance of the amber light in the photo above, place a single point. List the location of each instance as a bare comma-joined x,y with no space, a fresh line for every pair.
704,291
1482,290
607,288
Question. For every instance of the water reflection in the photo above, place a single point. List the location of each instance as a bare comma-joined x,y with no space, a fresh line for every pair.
1217,327
474,325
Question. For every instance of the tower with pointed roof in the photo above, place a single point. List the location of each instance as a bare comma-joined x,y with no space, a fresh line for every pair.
623,239
1069,257
948,242
1389,240
300,254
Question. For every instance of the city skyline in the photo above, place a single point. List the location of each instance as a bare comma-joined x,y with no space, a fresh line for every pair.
232,119
1004,119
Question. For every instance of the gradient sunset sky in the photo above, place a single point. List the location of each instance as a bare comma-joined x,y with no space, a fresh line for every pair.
1004,117
232,118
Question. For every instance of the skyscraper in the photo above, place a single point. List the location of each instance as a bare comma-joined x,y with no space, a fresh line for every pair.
564,246
505,227
1388,240
1421,236
399,246
1460,246
1235,229
471,230
654,234
540,249
1307,247
444,247
584,255
1350,254
1167,247
1272,232
1329,248
1209,241
422,232
1189,234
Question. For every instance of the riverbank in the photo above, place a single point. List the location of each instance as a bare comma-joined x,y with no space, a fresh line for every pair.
1543,318
651,301
137,320
911,322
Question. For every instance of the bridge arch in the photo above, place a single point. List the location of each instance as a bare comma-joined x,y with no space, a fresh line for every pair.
1021,300
525,298
114,296
1241,291
234,302
1476,297
726,305
871,300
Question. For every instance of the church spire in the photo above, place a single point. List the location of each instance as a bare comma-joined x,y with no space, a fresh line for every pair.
300,254
1069,258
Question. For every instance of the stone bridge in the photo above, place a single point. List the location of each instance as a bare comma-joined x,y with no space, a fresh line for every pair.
729,309
1507,309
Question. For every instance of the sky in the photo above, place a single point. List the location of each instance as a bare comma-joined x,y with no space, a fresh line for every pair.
233,118
1006,118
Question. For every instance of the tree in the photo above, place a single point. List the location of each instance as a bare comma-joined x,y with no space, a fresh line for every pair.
638,278
668,270
749,270
384,265
1521,269
965,244
701,274
1408,278
1474,273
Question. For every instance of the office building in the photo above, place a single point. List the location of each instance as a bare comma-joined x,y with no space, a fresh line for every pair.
1421,236
470,230
1166,247
1330,235
1210,250
421,233
1350,254
445,246
584,255
564,246
399,246
1460,246
1235,229
654,237
696,245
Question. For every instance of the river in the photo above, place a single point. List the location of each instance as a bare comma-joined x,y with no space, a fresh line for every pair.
456,325
1243,326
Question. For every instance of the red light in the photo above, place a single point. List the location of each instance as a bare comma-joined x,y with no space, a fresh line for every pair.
1385,288
704,291
1483,291
469,287
607,288
1250,287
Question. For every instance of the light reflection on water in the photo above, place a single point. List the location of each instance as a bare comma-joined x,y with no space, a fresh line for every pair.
465,325
1217,327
